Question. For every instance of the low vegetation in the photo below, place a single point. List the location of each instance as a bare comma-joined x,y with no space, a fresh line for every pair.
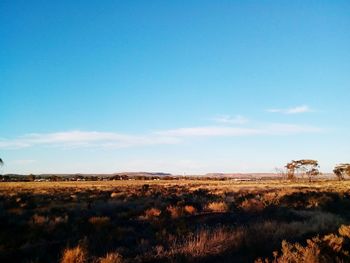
174,221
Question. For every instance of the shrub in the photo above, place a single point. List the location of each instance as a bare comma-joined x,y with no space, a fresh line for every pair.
74,255
151,214
174,211
39,220
252,205
344,231
99,220
208,242
189,209
111,258
217,207
114,194
329,248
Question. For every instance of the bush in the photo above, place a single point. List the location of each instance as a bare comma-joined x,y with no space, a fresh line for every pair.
111,258
217,207
74,255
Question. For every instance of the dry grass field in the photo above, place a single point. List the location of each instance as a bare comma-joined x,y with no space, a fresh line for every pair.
175,221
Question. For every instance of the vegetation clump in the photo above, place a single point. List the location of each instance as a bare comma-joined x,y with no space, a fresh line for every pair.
303,167
342,170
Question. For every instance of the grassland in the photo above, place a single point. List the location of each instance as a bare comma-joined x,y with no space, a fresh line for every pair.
175,221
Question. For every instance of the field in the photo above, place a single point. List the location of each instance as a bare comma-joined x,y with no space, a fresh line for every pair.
175,221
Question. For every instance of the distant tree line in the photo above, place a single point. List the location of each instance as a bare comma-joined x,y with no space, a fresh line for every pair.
295,168
310,169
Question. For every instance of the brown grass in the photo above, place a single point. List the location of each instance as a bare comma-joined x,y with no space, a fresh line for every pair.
208,242
74,255
153,224
189,209
217,207
99,220
111,258
151,213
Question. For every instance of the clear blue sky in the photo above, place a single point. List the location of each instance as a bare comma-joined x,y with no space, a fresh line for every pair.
173,86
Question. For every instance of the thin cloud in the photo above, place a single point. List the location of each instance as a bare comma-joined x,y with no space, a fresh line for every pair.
227,119
295,110
215,131
84,139
81,139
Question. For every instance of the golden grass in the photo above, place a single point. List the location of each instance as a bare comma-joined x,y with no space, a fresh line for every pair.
313,208
111,258
74,255
208,242
216,187
151,213
217,207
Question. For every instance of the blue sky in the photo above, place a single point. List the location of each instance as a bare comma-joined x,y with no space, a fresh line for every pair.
173,86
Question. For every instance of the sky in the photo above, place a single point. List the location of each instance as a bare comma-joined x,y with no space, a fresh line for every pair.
186,87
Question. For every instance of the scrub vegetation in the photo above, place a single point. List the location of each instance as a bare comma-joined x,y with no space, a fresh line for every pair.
175,221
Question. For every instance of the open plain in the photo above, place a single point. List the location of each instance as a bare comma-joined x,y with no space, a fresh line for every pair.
175,221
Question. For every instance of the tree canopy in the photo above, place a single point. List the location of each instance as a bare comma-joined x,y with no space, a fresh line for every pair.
340,170
304,166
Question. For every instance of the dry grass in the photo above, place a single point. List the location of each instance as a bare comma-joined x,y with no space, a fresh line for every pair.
174,211
219,207
151,213
208,242
189,209
329,248
99,220
74,255
161,221
39,219
111,258
344,231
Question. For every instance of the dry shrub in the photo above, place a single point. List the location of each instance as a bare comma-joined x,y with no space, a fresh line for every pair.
174,211
74,255
99,220
334,242
189,209
252,205
111,258
151,213
329,248
298,254
271,233
344,231
208,242
39,220
217,207
114,195
59,219
270,198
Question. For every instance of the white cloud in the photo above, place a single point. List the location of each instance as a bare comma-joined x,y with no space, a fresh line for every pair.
75,139
227,119
84,139
270,129
295,110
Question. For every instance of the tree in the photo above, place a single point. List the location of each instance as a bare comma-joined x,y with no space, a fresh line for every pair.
340,170
1,162
302,167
